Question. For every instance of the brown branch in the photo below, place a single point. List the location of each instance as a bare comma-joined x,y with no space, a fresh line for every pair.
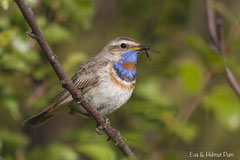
67,83
189,107
193,102
217,41
232,80
216,34
211,23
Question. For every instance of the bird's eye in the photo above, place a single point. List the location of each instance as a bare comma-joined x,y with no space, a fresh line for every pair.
123,45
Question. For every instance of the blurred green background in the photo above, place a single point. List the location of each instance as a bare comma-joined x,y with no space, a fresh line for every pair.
182,101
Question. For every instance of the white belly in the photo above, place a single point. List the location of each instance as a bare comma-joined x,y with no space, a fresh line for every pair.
111,93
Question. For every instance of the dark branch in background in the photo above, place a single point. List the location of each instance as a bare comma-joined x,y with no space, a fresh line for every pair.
217,42
192,104
67,83
232,80
216,34
211,23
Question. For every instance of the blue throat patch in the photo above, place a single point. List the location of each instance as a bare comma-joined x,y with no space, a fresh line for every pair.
127,74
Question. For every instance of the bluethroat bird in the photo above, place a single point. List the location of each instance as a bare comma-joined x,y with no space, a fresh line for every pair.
107,80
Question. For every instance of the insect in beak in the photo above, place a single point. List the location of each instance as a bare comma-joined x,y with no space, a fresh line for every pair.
146,49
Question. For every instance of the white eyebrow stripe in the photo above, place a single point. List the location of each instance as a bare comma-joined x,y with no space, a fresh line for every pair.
131,43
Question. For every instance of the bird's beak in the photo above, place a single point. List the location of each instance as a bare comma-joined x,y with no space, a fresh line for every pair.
140,48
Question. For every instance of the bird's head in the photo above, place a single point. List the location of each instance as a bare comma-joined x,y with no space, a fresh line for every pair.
123,51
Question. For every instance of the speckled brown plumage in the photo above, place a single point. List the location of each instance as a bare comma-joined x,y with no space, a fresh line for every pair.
98,81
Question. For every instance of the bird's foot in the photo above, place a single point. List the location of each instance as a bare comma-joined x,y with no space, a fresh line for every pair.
98,131
119,138
102,126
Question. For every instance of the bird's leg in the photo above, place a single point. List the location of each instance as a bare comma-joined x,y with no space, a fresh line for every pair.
102,126
120,139
98,130
108,140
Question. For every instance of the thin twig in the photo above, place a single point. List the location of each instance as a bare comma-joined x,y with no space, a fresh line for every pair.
192,104
211,23
220,37
67,83
217,41
234,33
216,33
232,80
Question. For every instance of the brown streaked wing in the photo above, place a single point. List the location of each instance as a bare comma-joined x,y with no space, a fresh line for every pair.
85,79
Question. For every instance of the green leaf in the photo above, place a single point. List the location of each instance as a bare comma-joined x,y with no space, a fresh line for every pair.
11,141
21,44
4,23
73,59
223,102
12,61
151,91
101,151
134,139
12,105
56,34
80,11
54,152
191,75
9,101
186,131
88,143
41,21
40,72
6,37
5,4
204,50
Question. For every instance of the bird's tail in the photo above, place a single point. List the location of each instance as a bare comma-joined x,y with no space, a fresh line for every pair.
44,116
